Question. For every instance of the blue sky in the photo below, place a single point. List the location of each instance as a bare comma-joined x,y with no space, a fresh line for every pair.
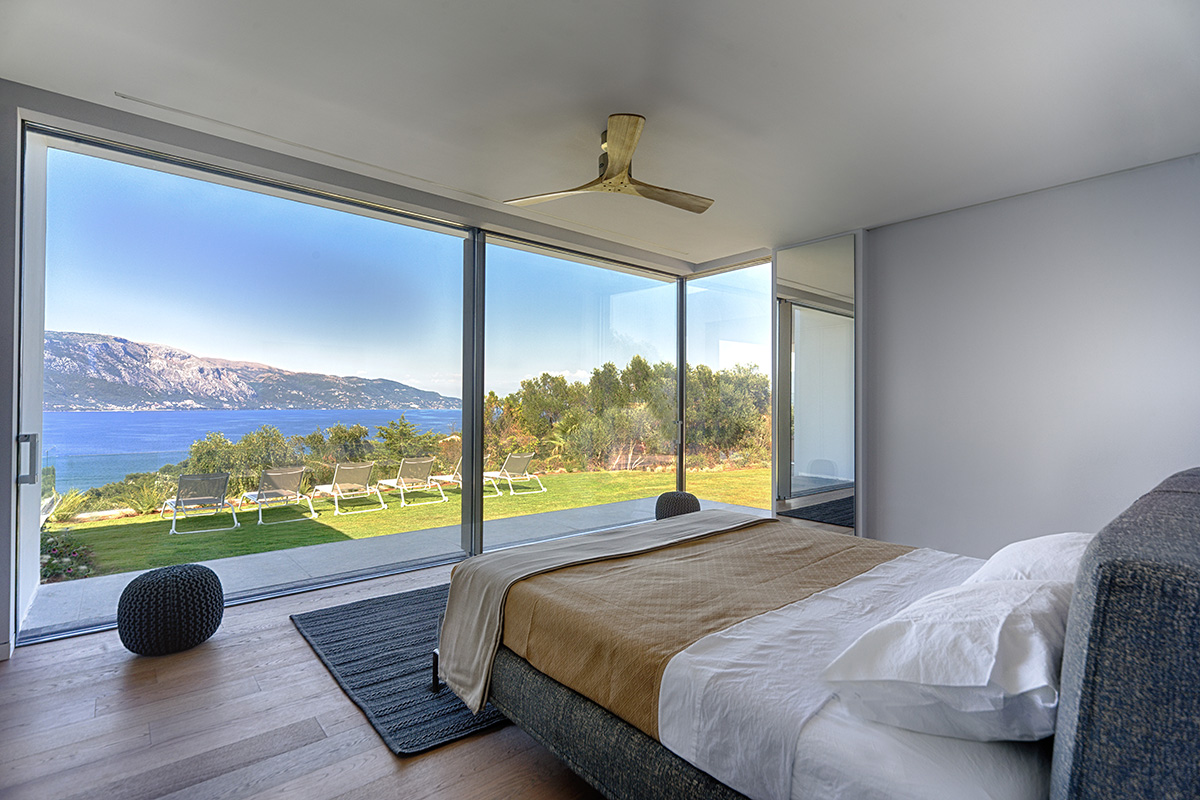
231,273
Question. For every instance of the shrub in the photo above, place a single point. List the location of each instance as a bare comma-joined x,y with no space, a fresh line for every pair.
145,495
68,506
64,558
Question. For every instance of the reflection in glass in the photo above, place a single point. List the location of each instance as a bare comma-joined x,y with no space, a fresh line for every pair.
822,400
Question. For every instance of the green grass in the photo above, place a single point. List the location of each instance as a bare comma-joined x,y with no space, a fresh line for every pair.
142,542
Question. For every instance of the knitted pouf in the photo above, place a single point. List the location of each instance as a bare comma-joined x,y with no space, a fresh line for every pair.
170,609
672,504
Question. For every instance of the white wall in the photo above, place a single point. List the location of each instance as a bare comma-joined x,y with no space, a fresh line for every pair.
1032,365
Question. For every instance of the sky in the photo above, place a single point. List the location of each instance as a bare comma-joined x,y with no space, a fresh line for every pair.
235,273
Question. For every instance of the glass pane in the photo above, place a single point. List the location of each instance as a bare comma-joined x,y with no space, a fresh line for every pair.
822,400
198,327
728,412
580,378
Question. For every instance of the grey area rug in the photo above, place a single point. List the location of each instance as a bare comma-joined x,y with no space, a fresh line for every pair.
379,652
835,512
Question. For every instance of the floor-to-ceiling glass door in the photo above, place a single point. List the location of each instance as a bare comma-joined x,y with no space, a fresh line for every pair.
181,321
579,413
727,399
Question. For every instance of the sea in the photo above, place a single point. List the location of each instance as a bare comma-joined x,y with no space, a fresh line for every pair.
92,448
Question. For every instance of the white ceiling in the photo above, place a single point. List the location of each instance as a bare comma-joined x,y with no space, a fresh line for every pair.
801,118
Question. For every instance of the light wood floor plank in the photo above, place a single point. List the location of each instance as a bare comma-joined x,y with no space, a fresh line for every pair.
252,713
187,773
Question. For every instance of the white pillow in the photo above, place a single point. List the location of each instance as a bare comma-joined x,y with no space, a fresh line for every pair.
1046,558
978,661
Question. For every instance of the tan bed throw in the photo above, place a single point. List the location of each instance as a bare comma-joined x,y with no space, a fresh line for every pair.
655,605
479,586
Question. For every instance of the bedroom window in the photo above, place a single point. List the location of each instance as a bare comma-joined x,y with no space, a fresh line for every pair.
579,390
183,322
727,411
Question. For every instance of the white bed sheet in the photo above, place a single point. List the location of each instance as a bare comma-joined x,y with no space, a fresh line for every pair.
842,757
736,702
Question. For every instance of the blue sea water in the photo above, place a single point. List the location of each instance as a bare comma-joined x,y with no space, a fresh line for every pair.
92,448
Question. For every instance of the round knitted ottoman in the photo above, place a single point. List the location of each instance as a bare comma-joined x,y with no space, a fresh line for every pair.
672,504
170,609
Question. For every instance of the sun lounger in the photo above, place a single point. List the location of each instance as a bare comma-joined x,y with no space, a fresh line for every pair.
456,479
278,487
413,475
200,495
350,480
516,468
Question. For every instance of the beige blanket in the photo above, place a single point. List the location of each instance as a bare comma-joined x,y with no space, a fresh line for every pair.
608,630
479,586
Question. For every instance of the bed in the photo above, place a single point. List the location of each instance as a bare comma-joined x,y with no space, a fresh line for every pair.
1126,712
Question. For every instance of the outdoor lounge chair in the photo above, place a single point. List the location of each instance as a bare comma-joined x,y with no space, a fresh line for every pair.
413,475
279,486
516,468
350,480
200,495
456,479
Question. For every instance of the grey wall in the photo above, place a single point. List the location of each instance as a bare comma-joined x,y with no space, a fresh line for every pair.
1032,365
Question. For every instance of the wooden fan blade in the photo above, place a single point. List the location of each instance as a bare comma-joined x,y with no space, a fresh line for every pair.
624,130
590,186
672,197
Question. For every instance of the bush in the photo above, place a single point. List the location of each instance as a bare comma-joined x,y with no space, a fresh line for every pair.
68,506
145,495
64,558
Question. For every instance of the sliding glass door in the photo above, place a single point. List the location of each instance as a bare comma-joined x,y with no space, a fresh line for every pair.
580,393
727,410
181,322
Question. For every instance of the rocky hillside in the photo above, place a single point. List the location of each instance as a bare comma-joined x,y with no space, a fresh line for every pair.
93,372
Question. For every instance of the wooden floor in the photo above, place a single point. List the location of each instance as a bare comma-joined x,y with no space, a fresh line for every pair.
251,713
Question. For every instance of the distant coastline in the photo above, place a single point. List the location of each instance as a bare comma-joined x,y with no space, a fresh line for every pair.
99,372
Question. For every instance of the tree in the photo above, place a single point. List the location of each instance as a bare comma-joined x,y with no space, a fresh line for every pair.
321,451
400,439
213,453
544,400
606,389
264,448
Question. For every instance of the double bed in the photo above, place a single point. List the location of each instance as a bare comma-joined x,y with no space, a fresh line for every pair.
699,657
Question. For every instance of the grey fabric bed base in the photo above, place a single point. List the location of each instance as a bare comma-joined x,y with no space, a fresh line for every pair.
615,757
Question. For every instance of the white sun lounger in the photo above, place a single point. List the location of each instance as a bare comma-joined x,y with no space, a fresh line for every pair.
200,495
350,480
516,468
413,475
279,486
456,479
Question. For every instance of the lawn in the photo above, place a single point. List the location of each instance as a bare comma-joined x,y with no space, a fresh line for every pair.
142,542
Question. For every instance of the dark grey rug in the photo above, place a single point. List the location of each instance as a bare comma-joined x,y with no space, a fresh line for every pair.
378,650
835,512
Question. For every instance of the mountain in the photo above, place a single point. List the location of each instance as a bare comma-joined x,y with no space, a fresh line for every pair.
94,372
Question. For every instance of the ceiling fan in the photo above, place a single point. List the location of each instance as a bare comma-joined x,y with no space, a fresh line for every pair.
618,143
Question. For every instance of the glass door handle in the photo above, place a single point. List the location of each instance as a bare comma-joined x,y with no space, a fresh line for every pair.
35,455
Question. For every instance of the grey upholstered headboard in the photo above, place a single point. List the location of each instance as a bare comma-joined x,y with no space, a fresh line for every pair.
1129,715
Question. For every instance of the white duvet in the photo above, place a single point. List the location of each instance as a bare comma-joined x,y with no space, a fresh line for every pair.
746,704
